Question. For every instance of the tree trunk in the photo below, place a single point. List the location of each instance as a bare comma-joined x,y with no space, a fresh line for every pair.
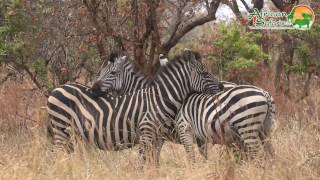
306,87
285,56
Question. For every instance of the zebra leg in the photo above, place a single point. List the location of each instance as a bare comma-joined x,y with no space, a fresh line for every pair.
160,143
50,133
186,138
203,148
269,124
149,148
252,146
268,148
59,134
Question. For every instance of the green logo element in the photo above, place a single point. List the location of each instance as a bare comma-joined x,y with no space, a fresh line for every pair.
301,17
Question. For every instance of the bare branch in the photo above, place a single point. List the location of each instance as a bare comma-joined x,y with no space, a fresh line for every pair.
235,8
176,36
32,76
177,22
10,74
282,5
207,4
93,15
258,4
245,5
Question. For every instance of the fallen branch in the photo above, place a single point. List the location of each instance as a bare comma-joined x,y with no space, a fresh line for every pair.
10,74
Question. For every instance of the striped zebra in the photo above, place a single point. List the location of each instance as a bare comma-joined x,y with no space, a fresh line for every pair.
74,105
227,85
241,115
141,115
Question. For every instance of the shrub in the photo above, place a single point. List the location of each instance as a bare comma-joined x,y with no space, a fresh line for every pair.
236,50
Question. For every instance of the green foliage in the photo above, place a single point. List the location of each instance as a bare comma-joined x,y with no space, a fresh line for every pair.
14,25
39,67
236,49
307,47
18,34
242,63
304,61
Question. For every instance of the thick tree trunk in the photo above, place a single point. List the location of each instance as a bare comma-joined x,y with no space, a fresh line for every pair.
279,68
285,57
306,87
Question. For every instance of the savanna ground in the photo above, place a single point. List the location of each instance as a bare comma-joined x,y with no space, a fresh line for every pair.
26,153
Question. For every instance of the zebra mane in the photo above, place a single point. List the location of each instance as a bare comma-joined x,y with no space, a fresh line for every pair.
111,58
116,56
134,67
185,56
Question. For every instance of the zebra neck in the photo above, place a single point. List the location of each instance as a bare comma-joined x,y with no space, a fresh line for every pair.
171,92
173,83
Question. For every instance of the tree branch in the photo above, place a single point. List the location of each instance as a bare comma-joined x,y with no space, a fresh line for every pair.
10,74
93,15
280,4
32,76
188,27
245,5
258,4
178,21
235,8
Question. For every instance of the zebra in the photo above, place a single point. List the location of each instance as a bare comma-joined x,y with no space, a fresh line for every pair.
241,115
226,85
73,105
134,117
202,144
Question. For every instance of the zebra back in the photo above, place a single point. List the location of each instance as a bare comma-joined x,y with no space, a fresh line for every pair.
119,76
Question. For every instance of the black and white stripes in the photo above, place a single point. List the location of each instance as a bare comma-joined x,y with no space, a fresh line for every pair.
152,108
242,115
116,122
162,99
73,106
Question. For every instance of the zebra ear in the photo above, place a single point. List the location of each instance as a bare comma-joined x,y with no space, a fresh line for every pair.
113,56
193,55
111,59
121,59
197,56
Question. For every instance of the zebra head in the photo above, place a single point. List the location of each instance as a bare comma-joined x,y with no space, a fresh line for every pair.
109,78
201,80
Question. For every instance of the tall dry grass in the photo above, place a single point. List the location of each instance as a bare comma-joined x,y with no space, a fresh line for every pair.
25,152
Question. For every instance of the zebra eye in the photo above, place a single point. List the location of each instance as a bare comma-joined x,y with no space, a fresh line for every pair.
113,73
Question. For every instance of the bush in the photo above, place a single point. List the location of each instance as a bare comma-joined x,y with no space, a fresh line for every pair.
236,50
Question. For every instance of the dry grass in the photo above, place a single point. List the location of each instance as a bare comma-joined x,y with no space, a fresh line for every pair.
25,153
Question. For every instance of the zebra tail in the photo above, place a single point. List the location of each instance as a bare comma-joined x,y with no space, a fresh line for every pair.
270,121
50,133
269,125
